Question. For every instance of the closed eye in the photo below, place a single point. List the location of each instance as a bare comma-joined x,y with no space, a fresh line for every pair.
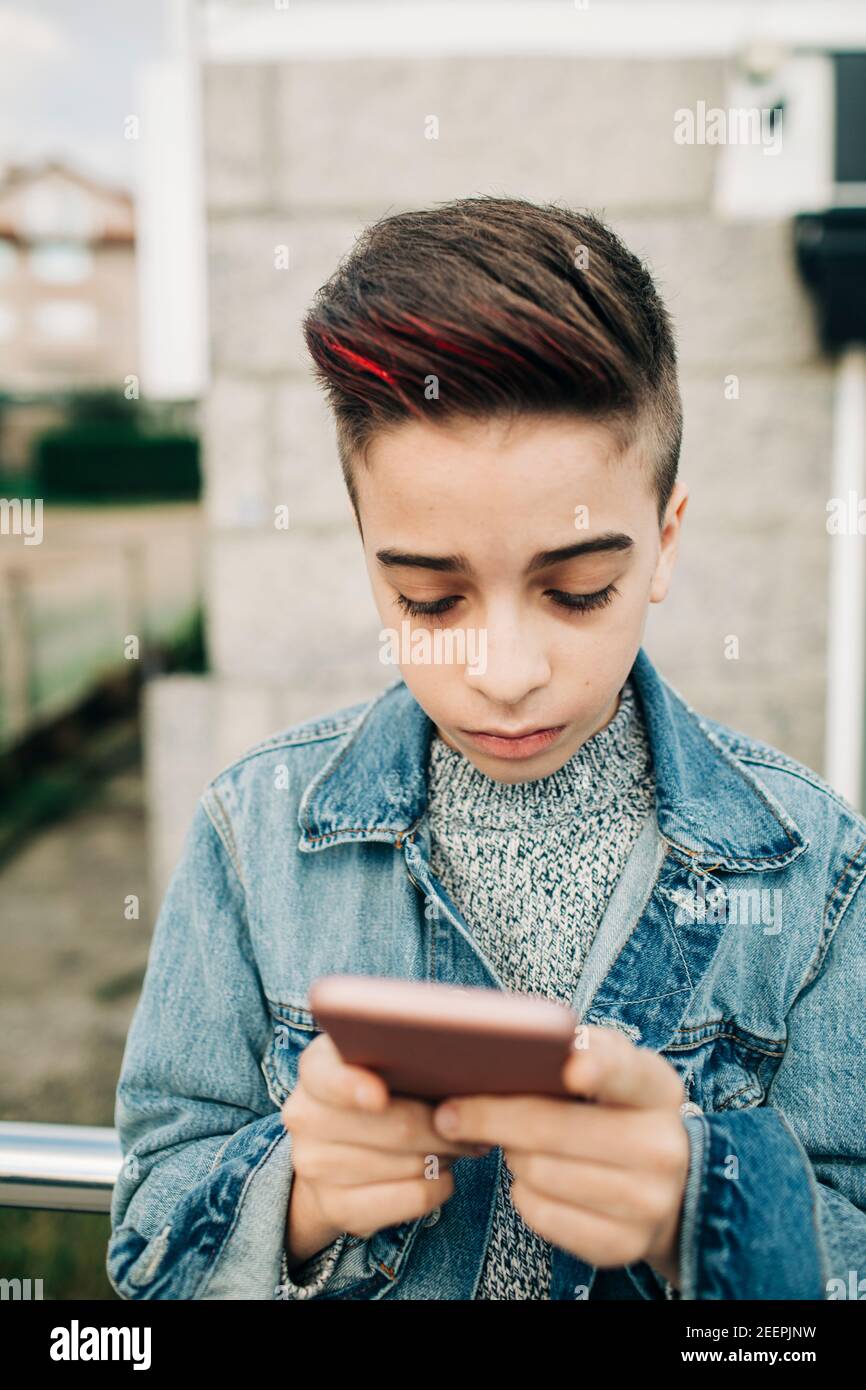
583,603
417,609
575,603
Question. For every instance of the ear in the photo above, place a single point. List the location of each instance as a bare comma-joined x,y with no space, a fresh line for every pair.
670,534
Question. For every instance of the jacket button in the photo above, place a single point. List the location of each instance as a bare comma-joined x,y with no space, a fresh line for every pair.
433,1217
690,1107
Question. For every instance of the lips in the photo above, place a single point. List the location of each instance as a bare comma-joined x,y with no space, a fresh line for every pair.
520,745
505,733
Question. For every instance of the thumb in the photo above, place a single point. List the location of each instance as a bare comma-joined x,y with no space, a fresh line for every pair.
606,1066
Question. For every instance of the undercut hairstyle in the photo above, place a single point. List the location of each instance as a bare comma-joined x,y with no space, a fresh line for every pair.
489,308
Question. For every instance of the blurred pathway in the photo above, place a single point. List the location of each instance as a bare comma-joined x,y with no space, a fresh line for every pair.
72,962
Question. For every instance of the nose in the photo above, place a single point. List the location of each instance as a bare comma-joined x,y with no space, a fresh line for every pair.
512,661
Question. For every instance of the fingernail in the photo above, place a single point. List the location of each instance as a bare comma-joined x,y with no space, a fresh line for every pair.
447,1118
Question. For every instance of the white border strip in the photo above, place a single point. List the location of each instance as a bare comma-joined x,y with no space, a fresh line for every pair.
846,612
231,32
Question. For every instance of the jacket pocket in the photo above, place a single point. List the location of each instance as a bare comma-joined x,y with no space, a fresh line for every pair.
725,1066
292,1029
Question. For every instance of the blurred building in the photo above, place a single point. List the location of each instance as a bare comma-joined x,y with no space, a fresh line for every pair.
69,340
68,313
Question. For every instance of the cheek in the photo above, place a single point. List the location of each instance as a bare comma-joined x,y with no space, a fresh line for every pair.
430,682
593,663
596,643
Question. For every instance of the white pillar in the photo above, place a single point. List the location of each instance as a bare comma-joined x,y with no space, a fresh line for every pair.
170,220
846,619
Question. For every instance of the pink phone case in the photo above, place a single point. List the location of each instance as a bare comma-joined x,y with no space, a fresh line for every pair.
433,1040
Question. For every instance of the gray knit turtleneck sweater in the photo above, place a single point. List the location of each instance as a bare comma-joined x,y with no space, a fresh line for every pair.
531,866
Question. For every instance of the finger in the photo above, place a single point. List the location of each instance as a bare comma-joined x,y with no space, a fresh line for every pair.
599,1240
619,1135
405,1126
364,1210
612,1069
619,1193
355,1165
332,1081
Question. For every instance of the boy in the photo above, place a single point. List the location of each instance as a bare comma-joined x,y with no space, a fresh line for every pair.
551,817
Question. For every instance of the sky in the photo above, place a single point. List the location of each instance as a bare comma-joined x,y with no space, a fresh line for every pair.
67,71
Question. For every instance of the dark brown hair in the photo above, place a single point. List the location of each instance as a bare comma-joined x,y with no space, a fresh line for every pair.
507,306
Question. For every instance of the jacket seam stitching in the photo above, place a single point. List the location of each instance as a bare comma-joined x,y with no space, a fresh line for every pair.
737,763
276,745
675,935
327,771
731,862
324,773
219,819
814,1198
826,935
836,888
287,1005
600,1002
725,1104
731,1037
800,774
739,1034
357,830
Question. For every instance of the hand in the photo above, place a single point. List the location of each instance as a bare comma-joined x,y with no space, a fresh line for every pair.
360,1162
604,1176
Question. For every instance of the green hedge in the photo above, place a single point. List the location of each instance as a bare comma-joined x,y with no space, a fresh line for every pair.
103,462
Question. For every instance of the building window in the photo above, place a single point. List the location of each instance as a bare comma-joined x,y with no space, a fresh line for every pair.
59,210
64,320
61,262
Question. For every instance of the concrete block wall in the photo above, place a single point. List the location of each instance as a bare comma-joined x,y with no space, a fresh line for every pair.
303,155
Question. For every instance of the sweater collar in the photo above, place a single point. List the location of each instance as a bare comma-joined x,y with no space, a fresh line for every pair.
605,770
713,811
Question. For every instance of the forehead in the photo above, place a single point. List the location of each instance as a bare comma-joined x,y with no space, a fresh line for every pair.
525,475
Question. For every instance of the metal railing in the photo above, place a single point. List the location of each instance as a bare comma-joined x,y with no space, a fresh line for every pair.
58,1167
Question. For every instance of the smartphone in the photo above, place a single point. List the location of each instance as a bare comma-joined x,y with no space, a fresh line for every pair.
432,1040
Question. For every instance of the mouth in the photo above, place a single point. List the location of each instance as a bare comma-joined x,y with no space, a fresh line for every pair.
517,745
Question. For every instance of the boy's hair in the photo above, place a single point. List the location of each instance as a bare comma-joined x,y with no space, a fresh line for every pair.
495,307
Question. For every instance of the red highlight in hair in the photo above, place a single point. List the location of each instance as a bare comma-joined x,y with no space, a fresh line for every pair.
430,333
358,360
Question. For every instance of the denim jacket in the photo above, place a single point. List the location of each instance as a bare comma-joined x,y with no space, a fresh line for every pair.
733,945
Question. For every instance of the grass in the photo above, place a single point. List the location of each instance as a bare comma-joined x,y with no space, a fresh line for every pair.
66,1250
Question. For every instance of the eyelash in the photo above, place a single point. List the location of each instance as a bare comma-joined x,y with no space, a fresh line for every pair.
584,603
574,603
425,610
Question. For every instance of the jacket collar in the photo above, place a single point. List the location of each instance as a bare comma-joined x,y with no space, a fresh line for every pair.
713,811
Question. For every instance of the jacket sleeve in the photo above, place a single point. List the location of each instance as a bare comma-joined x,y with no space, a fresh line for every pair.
775,1201
199,1208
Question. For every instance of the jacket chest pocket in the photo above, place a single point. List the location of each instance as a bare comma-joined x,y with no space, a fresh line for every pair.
292,1029
723,1066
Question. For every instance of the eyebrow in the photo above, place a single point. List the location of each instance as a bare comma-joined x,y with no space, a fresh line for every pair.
451,564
